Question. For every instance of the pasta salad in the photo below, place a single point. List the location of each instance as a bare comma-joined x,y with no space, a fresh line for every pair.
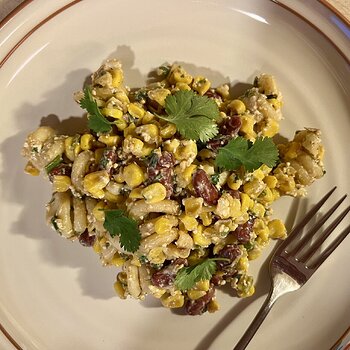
173,182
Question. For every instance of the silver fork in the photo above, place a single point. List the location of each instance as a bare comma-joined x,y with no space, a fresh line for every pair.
290,266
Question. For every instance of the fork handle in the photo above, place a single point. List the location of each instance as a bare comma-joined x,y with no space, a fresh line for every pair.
259,318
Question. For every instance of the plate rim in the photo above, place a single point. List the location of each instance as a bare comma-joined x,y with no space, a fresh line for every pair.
13,14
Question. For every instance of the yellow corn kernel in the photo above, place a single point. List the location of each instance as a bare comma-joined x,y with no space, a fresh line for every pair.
195,294
193,206
263,236
162,225
95,182
247,126
98,211
133,175
202,285
254,253
223,90
213,306
199,238
205,153
157,292
245,287
293,150
136,193
147,118
173,301
61,183
119,178
122,277
72,147
201,85
254,188
182,86
186,150
136,110
277,229
133,145
86,142
246,202
119,289
156,255
179,75
271,181
159,95
97,247
171,146
243,264
113,113
188,172
168,131
130,130
259,210
189,222
121,124
98,154
271,129
31,169
117,260
206,218
110,140
122,96
258,174
237,107
154,193
113,198
266,196
117,77
148,132
276,104
233,182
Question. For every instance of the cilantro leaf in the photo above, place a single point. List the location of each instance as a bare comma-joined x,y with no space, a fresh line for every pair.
194,116
187,277
96,121
241,152
116,223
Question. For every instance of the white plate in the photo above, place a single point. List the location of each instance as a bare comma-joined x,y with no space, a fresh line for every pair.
54,294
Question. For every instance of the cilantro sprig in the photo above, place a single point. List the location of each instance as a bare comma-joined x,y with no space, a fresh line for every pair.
96,121
194,116
241,152
187,277
117,224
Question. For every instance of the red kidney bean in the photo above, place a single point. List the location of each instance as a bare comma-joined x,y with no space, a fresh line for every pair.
166,160
244,231
199,306
204,187
61,169
231,126
166,276
234,193
230,252
108,159
86,239
211,93
217,142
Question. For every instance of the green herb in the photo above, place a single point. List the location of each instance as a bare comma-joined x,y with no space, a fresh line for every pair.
141,95
187,277
53,164
215,178
241,152
249,246
194,116
143,259
116,223
96,121
164,71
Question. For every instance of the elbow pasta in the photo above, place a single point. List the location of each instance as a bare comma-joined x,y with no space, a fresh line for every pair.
145,168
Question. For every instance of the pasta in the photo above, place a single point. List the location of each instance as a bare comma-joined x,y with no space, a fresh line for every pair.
187,209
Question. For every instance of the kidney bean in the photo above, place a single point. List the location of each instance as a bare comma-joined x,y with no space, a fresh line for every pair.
204,187
166,160
199,306
217,142
234,193
244,231
211,93
166,276
108,159
86,239
61,169
231,126
230,252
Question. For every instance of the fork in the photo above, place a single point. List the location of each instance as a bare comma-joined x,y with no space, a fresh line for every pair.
290,266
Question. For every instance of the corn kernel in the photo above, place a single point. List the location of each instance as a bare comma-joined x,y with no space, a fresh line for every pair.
136,193
112,112
202,285
162,225
148,132
254,253
121,95
277,229
237,107
171,146
213,306
31,169
136,111
86,142
189,222
266,196
98,154
195,294
133,175
258,174
246,202
179,75
233,182
121,124
259,210
188,149
173,301
97,247
119,289
61,183
293,150
223,90
271,129
271,181
154,193
247,126
193,206
159,95
110,140
98,211
276,104
157,292
201,85
147,118
122,277
156,255
243,264
206,218
117,260
254,188
113,198
72,147
117,77
199,238
95,182
182,86
168,131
